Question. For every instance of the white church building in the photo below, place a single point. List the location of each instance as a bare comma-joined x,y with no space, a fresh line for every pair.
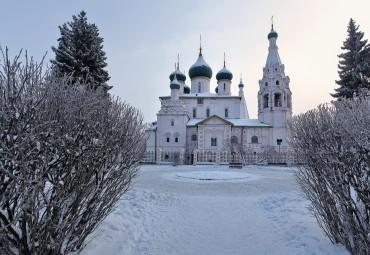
194,119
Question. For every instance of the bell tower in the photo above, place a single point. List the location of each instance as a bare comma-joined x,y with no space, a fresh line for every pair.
274,95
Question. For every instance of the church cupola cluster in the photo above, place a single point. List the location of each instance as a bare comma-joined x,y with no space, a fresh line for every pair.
224,77
175,88
181,78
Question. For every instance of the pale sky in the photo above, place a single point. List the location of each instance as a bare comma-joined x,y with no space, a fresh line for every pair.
142,40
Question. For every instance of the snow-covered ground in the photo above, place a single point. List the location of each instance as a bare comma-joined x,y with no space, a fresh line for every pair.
212,210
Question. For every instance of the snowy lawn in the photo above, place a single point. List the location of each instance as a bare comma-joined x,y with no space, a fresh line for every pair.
212,210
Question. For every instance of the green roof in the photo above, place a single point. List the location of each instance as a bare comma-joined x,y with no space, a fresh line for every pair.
180,76
200,68
272,34
224,74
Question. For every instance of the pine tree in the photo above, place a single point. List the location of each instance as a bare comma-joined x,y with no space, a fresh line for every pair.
80,53
354,65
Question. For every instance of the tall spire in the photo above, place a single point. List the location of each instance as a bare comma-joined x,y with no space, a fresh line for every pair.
224,60
273,56
178,62
272,22
200,44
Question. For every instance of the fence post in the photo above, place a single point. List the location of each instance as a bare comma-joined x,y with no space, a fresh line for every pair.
195,161
182,152
159,156
265,162
218,157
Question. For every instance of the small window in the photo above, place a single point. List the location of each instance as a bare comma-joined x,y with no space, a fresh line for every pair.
194,113
168,139
176,139
234,139
172,123
208,112
275,69
266,84
199,88
194,137
277,100
200,100
277,83
226,113
266,101
166,156
224,86
213,141
254,139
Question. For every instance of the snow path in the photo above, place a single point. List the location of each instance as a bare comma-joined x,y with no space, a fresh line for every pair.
261,214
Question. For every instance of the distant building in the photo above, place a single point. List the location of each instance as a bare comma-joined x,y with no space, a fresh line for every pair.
195,118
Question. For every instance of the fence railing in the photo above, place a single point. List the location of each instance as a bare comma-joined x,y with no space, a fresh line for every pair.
220,157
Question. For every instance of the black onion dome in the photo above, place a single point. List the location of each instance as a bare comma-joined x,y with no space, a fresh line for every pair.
179,75
216,90
200,68
175,84
186,89
241,85
272,34
224,74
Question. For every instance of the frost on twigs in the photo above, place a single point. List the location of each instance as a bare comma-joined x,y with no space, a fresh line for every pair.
66,156
333,142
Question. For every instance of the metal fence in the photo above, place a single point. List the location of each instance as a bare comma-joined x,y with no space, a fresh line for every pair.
220,157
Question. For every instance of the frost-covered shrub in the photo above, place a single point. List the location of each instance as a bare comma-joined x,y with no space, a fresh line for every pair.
66,157
333,142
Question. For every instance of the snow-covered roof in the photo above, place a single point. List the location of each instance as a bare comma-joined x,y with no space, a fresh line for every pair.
203,95
248,123
235,122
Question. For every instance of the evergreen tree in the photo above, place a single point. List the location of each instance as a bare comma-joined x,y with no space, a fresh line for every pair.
354,64
80,53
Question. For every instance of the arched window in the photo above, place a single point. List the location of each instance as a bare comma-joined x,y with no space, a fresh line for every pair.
224,86
254,139
194,113
176,139
277,83
226,113
266,101
288,101
208,112
168,139
199,88
266,84
277,100
213,141
194,137
234,139
172,123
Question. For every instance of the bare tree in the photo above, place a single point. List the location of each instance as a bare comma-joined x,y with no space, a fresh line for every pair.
333,143
66,157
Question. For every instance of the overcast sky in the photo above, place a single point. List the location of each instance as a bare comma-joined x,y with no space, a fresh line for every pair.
142,40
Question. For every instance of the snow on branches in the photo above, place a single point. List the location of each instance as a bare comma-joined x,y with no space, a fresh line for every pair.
67,154
80,53
333,142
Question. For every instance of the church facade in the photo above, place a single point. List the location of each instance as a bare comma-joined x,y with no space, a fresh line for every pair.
195,119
